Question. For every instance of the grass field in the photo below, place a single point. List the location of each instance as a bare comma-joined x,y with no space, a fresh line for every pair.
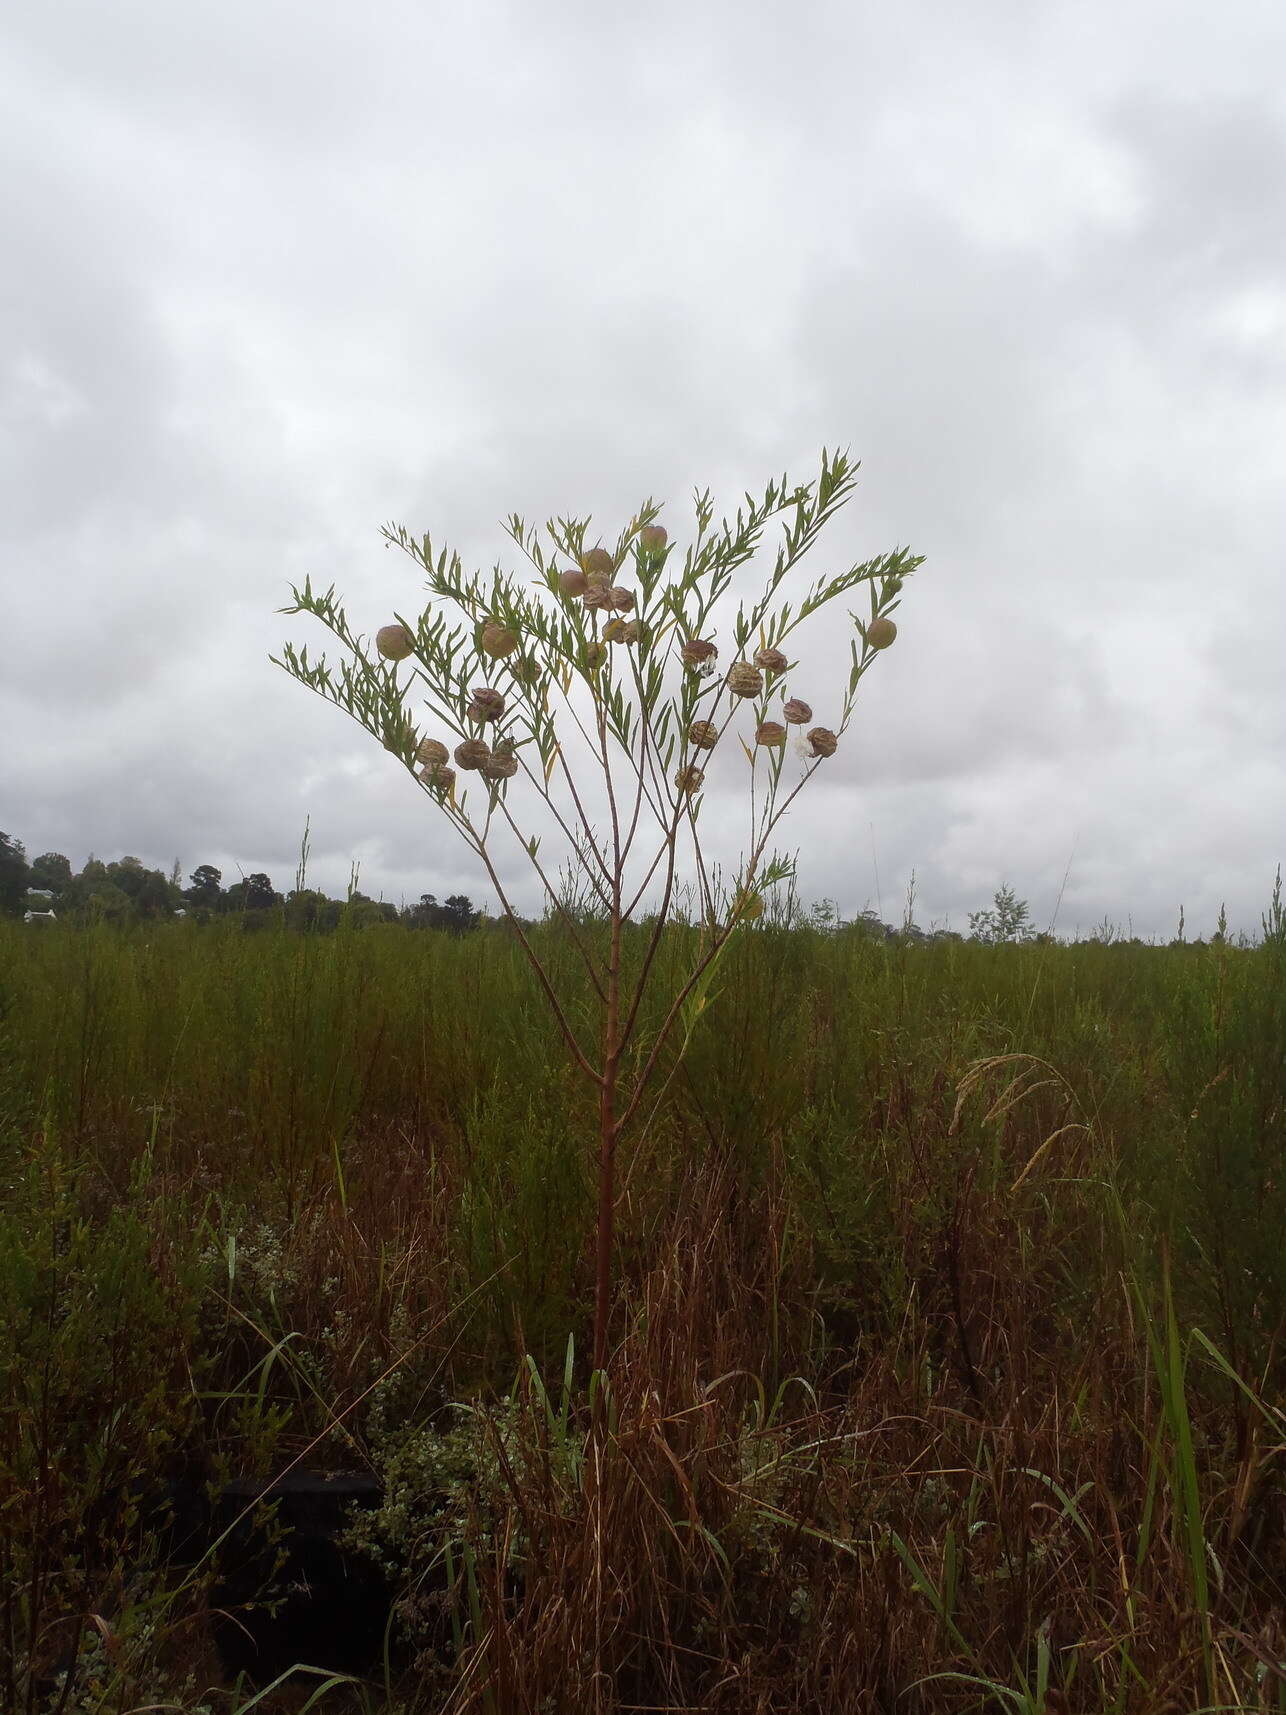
947,1349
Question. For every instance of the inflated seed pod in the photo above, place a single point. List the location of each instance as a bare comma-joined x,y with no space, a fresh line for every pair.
823,741
394,642
526,671
745,680
438,774
880,633
652,538
598,563
689,779
498,640
796,713
614,631
771,660
432,752
598,598
573,581
698,650
487,705
632,632
621,599
770,733
595,654
750,907
500,765
703,734
472,753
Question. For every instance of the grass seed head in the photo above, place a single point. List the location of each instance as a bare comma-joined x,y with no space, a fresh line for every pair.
394,642
880,633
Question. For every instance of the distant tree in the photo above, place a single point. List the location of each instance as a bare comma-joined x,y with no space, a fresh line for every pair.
153,896
205,891
51,870
13,874
457,915
1006,921
129,874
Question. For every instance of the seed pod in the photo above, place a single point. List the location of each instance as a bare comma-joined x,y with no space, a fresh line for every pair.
622,600
698,650
770,733
823,741
614,631
573,582
500,765
487,705
439,775
595,654
745,680
880,633
703,734
497,640
597,598
652,538
432,752
796,713
771,660
472,753
394,642
526,671
689,779
750,907
598,563
632,632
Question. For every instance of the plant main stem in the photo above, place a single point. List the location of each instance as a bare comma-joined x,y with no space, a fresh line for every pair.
607,1143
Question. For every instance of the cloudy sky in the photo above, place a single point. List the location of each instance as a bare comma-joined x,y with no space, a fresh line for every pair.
279,273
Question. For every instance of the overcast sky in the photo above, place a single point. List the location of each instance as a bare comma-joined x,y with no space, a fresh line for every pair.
277,273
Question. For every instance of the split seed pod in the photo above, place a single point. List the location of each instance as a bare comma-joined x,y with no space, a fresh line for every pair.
796,713
621,599
823,741
432,753
745,680
698,651
487,705
614,631
573,581
472,753
439,775
597,598
632,632
770,733
880,633
598,563
500,765
497,640
771,660
689,779
703,734
394,642
652,538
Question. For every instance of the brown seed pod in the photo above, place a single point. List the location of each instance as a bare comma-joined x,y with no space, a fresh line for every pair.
598,563
500,765
796,713
698,650
439,775
632,632
573,581
432,752
526,671
689,779
498,640
770,733
652,538
595,654
597,598
880,633
745,680
771,660
621,599
823,741
614,631
487,705
703,734
472,753
394,642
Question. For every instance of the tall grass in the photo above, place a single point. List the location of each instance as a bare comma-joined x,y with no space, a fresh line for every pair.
949,1356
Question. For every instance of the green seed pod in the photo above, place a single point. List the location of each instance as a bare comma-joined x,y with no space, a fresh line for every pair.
823,741
771,660
745,680
750,907
432,753
472,753
595,654
598,563
796,713
573,582
614,631
689,779
698,650
622,600
770,733
394,642
487,705
497,640
652,538
880,633
703,734
526,671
